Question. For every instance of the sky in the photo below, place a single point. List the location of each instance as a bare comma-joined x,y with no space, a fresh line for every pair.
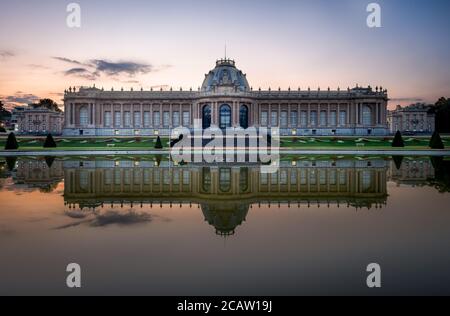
173,43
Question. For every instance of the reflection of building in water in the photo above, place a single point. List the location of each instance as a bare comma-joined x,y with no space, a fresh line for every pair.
43,174
411,172
225,193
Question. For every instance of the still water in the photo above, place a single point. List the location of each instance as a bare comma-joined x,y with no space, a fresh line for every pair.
147,226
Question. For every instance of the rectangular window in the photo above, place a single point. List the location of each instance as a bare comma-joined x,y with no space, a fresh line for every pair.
323,118
127,118
117,118
186,118
146,119
294,119
284,118
156,118
313,118
333,118
137,119
304,118
264,118
274,118
175,119
166,118
107,119
343,118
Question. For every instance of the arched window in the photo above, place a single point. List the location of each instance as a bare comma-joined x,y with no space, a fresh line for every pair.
225,116
206,116
84,116
225,180
243,116
367,115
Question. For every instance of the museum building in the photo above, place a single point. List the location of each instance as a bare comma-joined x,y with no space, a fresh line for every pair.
226,100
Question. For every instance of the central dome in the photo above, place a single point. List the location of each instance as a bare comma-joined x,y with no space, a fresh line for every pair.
225,74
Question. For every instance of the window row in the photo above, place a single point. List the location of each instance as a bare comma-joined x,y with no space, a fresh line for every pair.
146,120
325,119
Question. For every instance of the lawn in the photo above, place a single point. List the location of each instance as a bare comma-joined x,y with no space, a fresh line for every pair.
90,143
355,143
148,143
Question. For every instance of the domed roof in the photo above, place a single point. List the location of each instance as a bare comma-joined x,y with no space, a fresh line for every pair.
225,74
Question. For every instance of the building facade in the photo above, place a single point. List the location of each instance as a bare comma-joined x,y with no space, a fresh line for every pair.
226,100
37,121
416,118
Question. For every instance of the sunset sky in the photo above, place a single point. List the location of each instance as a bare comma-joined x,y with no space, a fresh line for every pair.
282,43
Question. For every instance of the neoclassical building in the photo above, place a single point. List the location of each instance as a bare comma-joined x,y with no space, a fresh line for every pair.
416,118
225,100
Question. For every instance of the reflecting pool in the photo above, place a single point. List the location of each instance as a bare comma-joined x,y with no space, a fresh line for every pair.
144,225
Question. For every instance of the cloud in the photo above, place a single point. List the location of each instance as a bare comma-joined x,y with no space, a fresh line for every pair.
95,68
118,68
406,100
108,218
81,73
67,60
4,54
121,219
19,98
38,67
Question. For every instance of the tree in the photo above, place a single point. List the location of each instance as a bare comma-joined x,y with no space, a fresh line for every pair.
398,161
176,141
436,141
49,161
158,144
398,140
48,104
442,111
49,142
11,142
4,113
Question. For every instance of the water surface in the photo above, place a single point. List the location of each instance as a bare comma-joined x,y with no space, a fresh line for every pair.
142,225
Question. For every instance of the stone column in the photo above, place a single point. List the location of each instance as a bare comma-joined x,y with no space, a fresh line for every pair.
308,118
121,115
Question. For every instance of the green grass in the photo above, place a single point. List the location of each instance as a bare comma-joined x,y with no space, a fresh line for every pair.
94,144
147,143
354,143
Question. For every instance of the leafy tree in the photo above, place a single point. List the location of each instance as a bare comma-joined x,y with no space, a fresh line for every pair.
11,142
48,104
49,142
398,140
436,141
2,129
4,113
442,111
158,144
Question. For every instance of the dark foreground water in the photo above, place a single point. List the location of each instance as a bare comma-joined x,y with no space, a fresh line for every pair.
146,226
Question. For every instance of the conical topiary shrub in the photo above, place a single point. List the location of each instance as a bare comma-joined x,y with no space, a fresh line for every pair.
49,142
158,144
398,140
11,142
436,141
398,161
